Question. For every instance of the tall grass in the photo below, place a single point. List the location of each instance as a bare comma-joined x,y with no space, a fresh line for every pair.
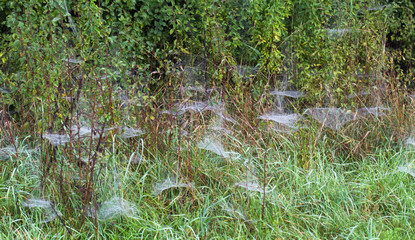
312,182
331,198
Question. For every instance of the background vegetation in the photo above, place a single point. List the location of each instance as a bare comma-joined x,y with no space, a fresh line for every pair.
121,69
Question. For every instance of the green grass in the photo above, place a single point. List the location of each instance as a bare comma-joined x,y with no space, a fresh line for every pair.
332,198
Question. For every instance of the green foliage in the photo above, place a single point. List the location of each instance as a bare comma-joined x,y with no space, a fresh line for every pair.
268,30
335,44
292,37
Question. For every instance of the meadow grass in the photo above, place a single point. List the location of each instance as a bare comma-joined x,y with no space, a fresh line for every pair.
330,197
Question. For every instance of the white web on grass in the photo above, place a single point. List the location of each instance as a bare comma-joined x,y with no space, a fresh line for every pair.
245,71
61,139
289,120
375,111
84,132
195,107
57,139
170,182
224,116
409,168
251,183
216,147
114,207
123,132
199,107
411,141
334,118
218,127
220,112
278,127
127,132
7,152
234,212
48,207
293,94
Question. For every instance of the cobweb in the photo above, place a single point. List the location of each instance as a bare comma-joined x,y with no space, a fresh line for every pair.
48,207
251,183
7,152
194,107
245,71
409,168
220,112
114,207
293,94
233,212
361,93
57,139
289,120
411,141
281,128
334,118
199,107
216,147
218,127
224,116
127,132
168,183
375,111
85,131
